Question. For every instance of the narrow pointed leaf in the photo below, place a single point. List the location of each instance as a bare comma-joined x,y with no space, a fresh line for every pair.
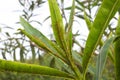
69,41
105,13
71,18
88,22
40,40
111,54
69,28
32,69
57,23
118,27
101,60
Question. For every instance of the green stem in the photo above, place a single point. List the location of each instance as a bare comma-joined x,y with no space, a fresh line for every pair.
76,70
72,65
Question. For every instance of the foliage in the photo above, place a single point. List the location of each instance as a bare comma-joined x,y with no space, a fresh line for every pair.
59,56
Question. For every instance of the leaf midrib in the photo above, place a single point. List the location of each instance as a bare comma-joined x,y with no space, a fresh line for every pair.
58,25
105,25
107,20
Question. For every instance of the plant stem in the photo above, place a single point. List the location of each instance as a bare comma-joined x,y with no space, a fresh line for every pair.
73,66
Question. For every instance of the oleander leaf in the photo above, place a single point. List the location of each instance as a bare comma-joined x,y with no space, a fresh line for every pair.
57,23
32,69
118,27
105,13
101,59
40,40
69,28
88,22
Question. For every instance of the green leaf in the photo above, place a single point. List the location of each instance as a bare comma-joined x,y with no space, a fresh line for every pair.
78,60
101,59
111,54
40,40
32,68
88,22
59,33
105,13
70,43
69,28
57,23
118,27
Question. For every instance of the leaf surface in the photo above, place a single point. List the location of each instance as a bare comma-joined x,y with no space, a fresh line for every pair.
32,69
40,40
105,13
69,35
57,24
101,59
